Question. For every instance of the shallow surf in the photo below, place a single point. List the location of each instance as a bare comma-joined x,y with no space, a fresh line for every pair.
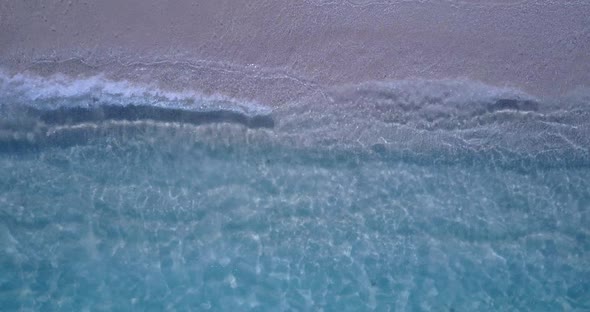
400,195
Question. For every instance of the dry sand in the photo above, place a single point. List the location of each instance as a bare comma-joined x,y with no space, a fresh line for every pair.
239,47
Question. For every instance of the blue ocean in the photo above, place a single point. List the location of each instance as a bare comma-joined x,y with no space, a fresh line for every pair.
381,196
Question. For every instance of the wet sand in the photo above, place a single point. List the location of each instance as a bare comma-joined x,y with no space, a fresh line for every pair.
275,51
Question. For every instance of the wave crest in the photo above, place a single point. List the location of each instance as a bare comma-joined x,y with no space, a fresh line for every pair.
60,98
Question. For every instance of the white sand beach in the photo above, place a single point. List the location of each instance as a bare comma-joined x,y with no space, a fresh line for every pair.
540,47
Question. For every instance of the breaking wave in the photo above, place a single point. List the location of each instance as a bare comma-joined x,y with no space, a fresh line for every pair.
60,99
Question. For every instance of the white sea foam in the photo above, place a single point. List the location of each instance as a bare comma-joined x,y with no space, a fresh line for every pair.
60,91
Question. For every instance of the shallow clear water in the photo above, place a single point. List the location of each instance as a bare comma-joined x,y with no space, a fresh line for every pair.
158,215
160,222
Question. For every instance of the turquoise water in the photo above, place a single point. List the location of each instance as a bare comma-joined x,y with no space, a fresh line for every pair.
155,215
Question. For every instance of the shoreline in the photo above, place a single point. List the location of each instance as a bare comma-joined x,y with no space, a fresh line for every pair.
421,117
